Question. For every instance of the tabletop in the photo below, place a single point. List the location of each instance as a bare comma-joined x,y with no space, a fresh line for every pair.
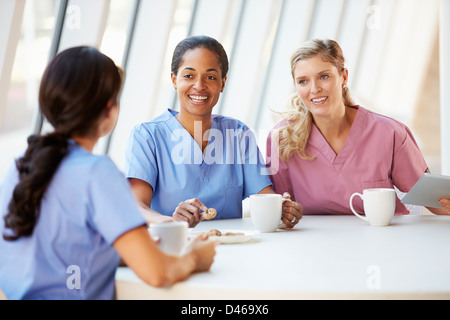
323,257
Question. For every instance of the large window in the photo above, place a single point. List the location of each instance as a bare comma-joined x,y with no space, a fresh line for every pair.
117,29
391,47
31,57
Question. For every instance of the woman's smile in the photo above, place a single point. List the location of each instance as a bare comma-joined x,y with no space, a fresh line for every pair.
198,99
319,100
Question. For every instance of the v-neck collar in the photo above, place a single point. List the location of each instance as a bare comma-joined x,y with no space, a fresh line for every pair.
318,141
196,149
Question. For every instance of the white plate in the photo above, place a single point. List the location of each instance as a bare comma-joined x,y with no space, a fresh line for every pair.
247,235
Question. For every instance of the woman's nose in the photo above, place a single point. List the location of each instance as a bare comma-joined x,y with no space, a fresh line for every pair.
315,87
199,84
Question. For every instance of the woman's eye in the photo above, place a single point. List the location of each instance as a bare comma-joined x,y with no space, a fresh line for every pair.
188,76
211,78
324,76
302,82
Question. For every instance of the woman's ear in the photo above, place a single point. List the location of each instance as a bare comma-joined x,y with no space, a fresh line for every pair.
111,109
223,83
345,77
173,76
111,103
109,120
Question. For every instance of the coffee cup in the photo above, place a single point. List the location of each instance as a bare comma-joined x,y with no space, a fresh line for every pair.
379,206
172,236
266,211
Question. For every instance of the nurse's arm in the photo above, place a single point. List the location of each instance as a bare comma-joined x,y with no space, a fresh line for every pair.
142,255
266,190
143,193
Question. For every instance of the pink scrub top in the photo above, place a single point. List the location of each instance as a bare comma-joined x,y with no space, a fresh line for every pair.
379,152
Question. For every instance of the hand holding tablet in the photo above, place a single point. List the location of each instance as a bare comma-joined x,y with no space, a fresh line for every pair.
429,190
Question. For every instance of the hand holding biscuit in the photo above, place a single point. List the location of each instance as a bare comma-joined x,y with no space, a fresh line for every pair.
189,211
193,211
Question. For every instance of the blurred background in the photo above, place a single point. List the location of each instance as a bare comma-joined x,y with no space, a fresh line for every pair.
391,47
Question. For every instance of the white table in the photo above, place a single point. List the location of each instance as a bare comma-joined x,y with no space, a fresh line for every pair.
323,257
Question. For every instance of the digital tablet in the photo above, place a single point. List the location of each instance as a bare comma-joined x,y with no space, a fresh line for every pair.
428,191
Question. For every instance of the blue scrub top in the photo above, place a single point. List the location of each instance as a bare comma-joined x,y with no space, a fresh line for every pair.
70,254
164,154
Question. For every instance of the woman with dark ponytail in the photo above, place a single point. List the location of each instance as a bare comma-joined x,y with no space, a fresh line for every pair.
69,215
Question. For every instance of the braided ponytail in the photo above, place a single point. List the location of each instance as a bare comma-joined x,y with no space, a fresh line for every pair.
36,169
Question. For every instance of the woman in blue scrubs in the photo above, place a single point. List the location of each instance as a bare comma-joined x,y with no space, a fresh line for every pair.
68,214
182,163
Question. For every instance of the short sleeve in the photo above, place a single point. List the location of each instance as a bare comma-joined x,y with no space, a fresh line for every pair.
140,156
408,163
113,210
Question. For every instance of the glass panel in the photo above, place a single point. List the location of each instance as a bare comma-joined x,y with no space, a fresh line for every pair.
113,43
30,61
179,30
117,28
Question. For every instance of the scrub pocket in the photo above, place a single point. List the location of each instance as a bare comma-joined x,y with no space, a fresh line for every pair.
231,202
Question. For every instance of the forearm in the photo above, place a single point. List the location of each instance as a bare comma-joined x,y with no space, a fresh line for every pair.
179,268
149,263
152,216
143,193
266,190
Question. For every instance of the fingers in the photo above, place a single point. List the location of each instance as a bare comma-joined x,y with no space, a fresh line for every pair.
292,213
156,239
286,195
204,252
189,211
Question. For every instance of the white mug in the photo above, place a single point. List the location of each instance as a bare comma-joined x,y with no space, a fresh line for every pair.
266,211
172,235
379,206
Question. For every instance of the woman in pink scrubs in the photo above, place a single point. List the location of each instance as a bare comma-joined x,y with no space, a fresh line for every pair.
327,147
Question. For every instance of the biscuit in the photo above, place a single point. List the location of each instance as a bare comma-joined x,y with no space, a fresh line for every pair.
209,213
230,234
213,233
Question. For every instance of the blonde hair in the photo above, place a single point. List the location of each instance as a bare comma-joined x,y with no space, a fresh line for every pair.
294,136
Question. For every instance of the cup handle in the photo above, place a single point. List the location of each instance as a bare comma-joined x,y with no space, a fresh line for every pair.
353,210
